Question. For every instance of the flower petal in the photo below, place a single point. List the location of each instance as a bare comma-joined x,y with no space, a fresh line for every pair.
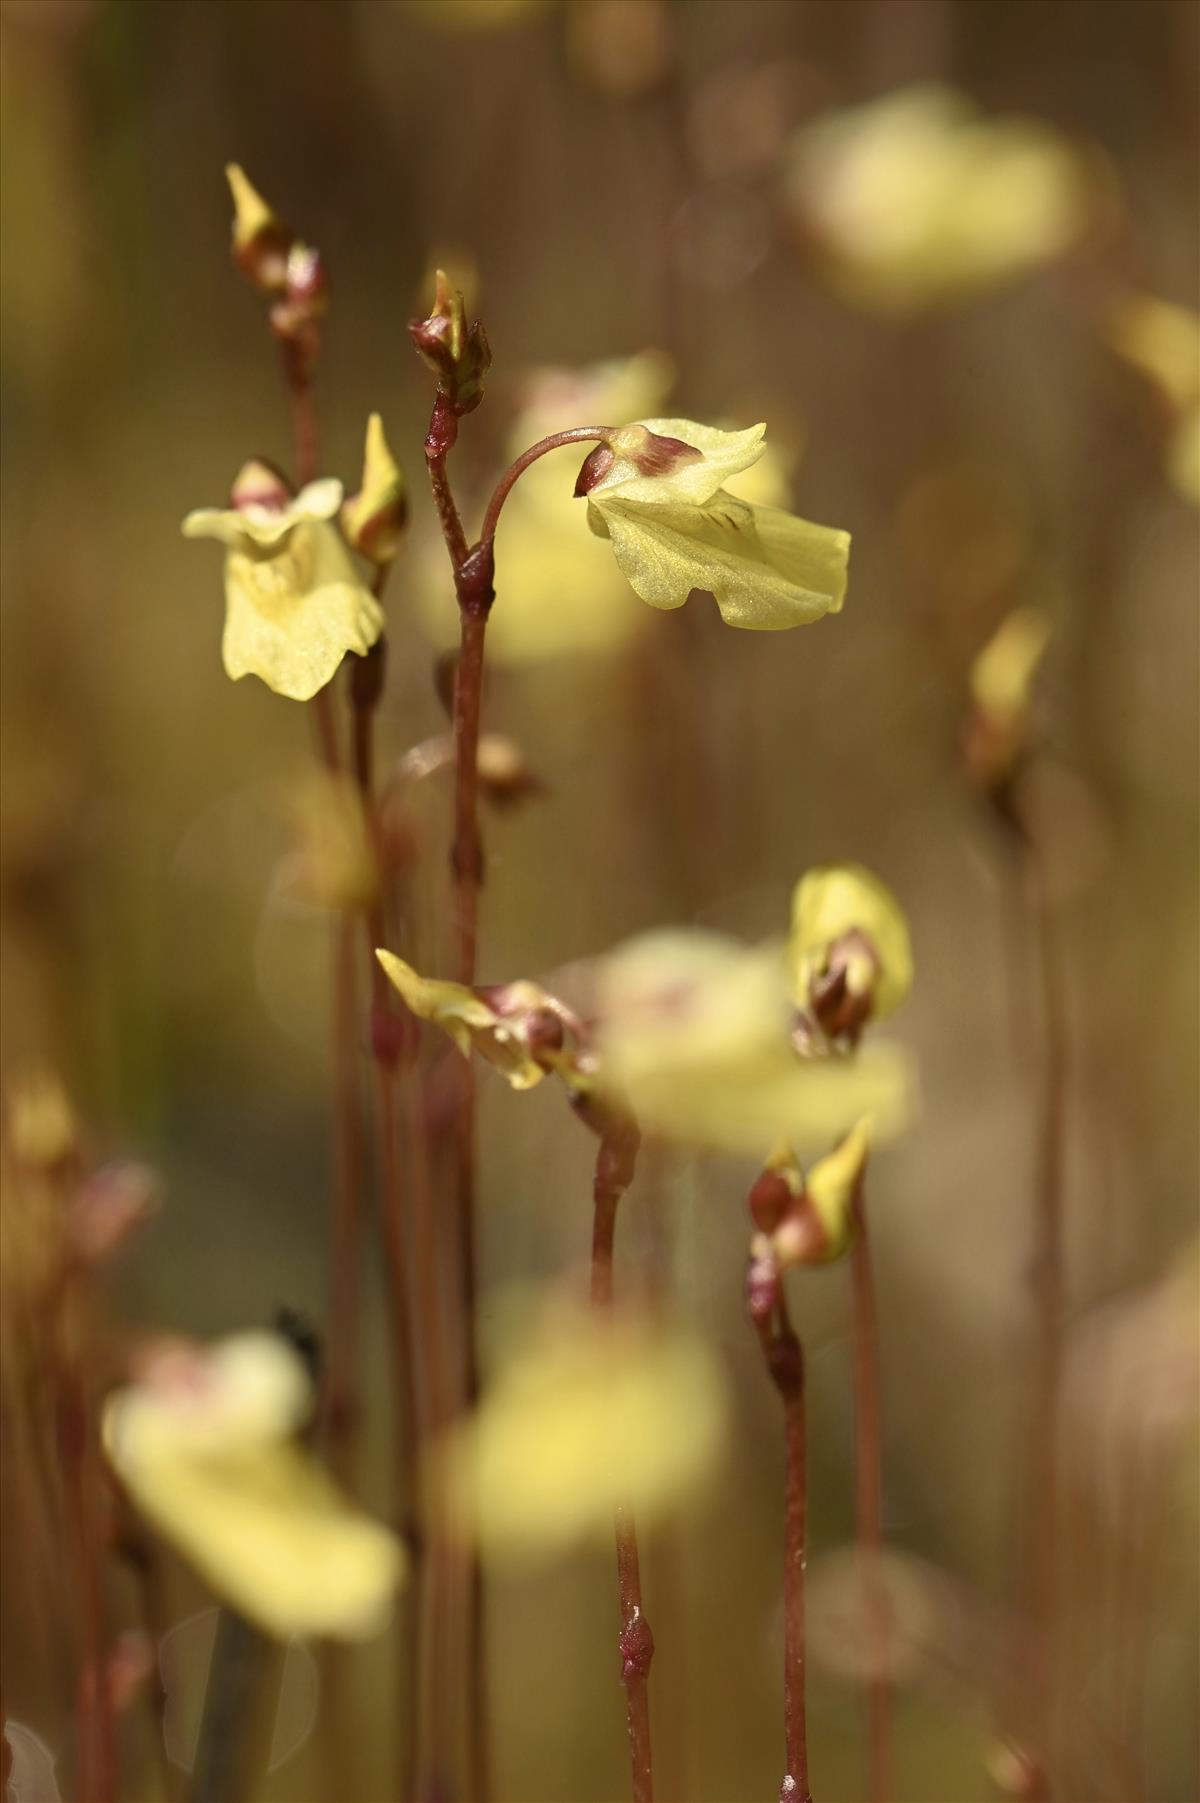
696,480
767,569
291,617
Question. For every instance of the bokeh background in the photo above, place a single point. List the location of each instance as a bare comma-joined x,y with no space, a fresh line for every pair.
607,179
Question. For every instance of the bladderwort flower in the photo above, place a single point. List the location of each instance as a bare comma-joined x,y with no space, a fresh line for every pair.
694,1038
849,951
205,1445
1162,340
591,1413
918,199
517,1027
294,602
657,492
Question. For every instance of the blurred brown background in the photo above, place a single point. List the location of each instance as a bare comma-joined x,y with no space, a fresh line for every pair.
614,175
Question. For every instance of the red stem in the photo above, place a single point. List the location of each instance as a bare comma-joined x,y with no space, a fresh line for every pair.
1047,1283
868,1491
614,1172
96,1753
576,435
784,1359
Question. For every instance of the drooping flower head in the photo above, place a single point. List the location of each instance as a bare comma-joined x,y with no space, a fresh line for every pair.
205,1446
294,602
656,490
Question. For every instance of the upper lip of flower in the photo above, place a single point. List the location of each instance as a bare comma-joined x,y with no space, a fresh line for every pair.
266,525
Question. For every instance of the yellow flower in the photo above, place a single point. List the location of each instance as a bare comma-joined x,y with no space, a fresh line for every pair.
916,198
592,1414
848,929
295,605
205,1447
524,1020
816,1225
656,491
694,1037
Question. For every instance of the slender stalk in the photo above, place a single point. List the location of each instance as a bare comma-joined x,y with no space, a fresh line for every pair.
868,1491
1047,1286
614,1172
96,1740
516,469
784,1359
297,375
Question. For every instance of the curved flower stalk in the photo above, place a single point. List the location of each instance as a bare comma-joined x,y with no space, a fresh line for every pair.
294,602
205,1446
917,199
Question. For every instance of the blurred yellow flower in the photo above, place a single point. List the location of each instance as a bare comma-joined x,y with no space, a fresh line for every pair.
917,198
559,593
524,1020
295,604
818,1224
1163,341
1002,675
205,1447
656,492
845,922
694,1037
41,1128
590,1415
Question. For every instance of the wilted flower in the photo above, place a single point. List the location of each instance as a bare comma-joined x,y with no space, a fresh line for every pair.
295,604
1163,341
593,1414
916,198
204,1444
511,1025
849,951
694,1038
656,491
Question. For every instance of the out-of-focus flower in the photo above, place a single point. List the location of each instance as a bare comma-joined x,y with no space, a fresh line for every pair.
559,593
108,1208
592,1414
1001,683
40,1123
882,1616
295,604
694,1039
623,50
512,1025
374,519
204,1444
261,240
333,862
656,491
849,952
917,198
1163,341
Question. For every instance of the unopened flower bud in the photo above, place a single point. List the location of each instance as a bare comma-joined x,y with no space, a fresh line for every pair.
374,519
1000,725
261,240
457,353
762,1279
504,776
